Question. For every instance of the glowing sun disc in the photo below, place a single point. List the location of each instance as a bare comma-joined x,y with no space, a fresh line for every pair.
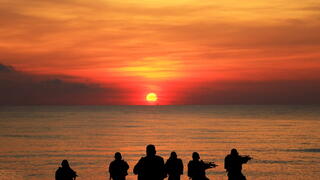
151,97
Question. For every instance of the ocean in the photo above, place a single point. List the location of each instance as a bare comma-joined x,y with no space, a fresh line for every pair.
284,141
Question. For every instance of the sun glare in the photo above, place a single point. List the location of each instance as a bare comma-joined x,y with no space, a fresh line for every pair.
151,97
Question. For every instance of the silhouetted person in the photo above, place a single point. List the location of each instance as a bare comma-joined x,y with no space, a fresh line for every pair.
118,169
174,167
233,165
150,167
65,172
197,168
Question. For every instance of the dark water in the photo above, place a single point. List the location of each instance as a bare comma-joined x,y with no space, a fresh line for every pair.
283,140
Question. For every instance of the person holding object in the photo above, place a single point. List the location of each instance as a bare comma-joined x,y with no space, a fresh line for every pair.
233,165
197,168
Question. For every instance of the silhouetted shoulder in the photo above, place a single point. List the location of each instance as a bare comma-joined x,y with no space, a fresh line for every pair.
118,167
138,167
159,158
65,174
193,168
150,167
226,162
58,174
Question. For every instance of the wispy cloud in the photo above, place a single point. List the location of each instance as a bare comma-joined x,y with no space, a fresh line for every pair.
152,42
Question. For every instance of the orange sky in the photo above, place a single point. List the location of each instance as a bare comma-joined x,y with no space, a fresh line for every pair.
179,49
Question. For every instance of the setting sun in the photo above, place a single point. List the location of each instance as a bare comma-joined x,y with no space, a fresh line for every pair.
151,97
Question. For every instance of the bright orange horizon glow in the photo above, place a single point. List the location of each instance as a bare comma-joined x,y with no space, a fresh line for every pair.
180,49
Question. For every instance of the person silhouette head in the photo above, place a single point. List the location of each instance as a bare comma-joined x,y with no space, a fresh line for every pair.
65,164
65,171
118,156
195,156
234,152
151,150
173,155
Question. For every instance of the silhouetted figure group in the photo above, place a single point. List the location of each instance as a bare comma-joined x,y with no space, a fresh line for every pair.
152,167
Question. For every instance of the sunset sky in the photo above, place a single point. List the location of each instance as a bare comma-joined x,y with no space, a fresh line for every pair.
186,51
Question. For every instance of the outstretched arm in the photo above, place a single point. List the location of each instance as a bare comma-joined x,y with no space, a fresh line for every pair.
245,159
208,165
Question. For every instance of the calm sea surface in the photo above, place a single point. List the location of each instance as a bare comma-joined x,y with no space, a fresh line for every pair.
283,140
